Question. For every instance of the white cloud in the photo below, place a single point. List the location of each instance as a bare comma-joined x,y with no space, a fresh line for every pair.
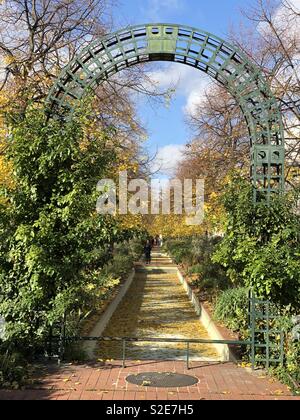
283,18
296,4
168,158
287,22
190,83
156,9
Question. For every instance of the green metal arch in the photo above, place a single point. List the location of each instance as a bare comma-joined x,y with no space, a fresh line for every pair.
202,50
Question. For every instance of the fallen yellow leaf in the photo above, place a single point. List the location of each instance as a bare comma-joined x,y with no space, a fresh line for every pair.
278,392
146,383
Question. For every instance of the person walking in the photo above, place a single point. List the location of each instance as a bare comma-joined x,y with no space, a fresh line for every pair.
161,240
147,251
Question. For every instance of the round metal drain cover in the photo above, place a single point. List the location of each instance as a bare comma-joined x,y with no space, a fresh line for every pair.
162,380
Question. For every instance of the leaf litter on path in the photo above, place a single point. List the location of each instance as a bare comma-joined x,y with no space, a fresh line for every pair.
155,306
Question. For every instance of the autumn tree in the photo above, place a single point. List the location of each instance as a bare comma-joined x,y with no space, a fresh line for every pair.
271,39
220,141
37,39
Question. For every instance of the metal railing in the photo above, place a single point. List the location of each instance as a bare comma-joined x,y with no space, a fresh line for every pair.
126,340
265,347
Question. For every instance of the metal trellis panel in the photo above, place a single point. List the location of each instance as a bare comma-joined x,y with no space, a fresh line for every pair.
204,51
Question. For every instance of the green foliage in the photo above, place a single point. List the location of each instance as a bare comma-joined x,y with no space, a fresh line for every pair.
290,372
136,248
196,253
179,249
13,368
53,245
196,269
119,266
261,247
231,308
293,360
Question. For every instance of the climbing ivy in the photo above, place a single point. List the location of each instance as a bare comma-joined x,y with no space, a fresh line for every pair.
51,239
261,246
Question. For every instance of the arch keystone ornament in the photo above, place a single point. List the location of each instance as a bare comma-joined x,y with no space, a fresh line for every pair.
197,48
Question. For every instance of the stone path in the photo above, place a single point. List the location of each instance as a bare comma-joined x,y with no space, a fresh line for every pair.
156,306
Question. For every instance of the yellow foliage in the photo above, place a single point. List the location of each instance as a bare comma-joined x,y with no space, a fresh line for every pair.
5,166
5,172
132,221
173,226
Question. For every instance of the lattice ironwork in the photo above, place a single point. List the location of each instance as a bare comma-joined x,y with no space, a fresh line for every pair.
204,51
267,337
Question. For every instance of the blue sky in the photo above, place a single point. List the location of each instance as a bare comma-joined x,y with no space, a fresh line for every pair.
166,126
214,15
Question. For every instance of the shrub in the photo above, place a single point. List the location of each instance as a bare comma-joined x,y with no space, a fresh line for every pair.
180,250
197,252
136,248
119,266
292,355
133,248
231,308
290,372
13,369
261,246
196,269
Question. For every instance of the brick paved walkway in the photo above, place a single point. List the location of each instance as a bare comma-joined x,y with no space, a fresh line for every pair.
108,382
